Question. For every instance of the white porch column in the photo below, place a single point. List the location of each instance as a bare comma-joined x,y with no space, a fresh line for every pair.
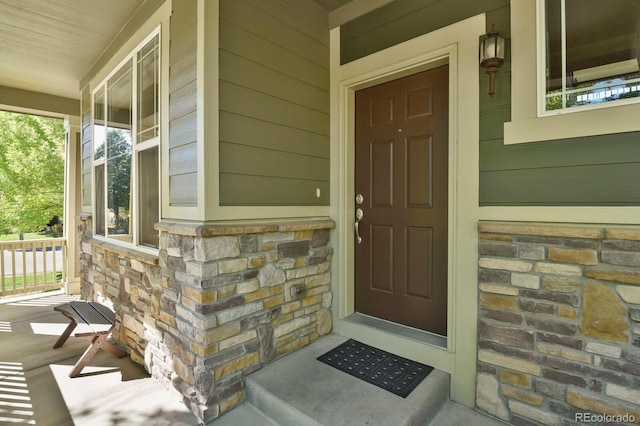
72,201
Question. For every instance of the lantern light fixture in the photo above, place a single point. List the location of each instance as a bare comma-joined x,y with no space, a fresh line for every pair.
492,54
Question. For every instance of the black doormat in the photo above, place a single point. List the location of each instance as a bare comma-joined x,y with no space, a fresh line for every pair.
387,371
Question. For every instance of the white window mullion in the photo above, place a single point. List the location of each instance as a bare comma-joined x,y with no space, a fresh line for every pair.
563,31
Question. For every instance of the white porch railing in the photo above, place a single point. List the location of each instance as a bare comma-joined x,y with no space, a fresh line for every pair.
32,266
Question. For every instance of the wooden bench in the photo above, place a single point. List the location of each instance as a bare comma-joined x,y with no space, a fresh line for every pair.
97,321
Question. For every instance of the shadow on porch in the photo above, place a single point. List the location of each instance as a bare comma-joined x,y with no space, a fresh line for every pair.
35,387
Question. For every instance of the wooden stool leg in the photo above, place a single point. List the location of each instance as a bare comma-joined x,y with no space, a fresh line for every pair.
66,334
106,345
85,358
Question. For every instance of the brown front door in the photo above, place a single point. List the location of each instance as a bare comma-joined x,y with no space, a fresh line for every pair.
401,172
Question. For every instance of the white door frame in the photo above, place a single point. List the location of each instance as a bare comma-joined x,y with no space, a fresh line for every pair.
456,45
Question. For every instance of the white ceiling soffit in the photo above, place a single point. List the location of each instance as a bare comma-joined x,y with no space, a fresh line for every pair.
49,45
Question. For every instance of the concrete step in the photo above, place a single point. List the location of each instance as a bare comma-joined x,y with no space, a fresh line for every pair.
300,390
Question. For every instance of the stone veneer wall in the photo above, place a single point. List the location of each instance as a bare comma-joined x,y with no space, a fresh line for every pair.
216,304
559,322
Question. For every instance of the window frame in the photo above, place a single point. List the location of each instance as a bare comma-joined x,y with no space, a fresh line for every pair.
137,146
525,125
541,43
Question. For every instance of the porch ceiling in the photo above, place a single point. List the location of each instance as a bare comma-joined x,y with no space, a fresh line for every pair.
47,46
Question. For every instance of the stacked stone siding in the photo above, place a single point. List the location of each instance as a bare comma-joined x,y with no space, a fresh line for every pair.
218,303
559,322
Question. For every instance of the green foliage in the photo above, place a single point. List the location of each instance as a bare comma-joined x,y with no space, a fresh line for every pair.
31,171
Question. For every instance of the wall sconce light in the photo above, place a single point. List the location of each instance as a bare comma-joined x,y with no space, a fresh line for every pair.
492,56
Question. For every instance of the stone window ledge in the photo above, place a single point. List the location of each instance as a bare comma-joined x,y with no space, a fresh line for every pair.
560,230
218,229
140,256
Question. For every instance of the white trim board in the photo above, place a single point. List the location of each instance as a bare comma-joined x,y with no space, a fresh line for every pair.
456,45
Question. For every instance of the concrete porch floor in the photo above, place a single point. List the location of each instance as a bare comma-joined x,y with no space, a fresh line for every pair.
35,387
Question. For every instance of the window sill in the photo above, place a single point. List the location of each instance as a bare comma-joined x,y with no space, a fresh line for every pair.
602,121
130,253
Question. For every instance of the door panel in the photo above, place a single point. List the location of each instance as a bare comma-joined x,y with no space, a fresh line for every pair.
402,170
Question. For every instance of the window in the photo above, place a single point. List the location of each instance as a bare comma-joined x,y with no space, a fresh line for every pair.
591,53
126,132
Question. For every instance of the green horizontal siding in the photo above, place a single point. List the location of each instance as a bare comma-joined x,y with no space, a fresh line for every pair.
274,103
597,170
272,191
592,170
183,171
400,21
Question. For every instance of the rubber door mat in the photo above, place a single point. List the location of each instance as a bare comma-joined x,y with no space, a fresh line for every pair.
387,371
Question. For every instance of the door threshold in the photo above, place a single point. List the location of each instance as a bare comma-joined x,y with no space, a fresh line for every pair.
399,330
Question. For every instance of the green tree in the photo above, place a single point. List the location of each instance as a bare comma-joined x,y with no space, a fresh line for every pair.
31,171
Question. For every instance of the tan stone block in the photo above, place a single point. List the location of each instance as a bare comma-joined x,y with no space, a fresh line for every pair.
581,257
215,335
200,296
273,301
303,235
286,340
596,404
525,280
627,277
291,307
623,234
324,321
605,350
237,340
559,269
236,365
505,264
499,301
514,378
231,266
493,237
297,344
226,291
290,326
300,261
232,401
488,398
562,352
505,361
267,247
567,312
561,284
499,289
277,289
318,290
623,393
257,295
202,350
183,370
604,316
299,272
281,320
545,230
318,280
629,294
167,318
257,261
308,301
248,286
521,395
537,414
